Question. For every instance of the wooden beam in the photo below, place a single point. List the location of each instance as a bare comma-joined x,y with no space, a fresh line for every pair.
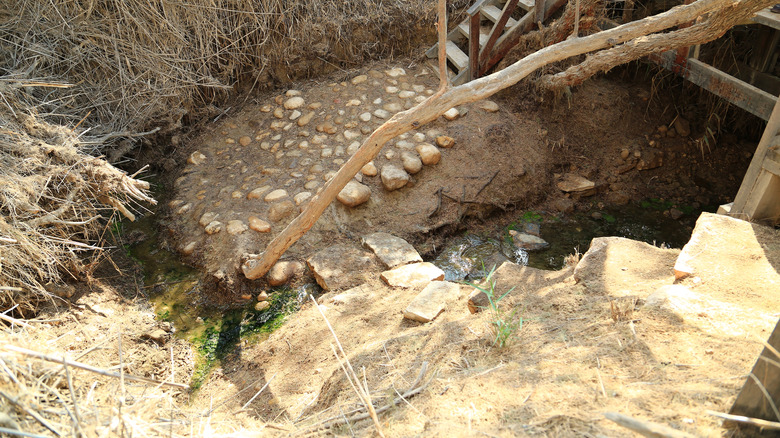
752,99
474,35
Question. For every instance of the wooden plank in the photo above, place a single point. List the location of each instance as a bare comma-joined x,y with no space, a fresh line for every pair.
454,35
474,9
454,54
741,94
528,5
768,19
464,30
493,14
751,401
763,204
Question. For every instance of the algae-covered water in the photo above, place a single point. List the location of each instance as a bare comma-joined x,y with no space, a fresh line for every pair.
471,256
174,289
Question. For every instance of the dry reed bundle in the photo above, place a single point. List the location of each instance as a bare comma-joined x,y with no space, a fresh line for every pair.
54,202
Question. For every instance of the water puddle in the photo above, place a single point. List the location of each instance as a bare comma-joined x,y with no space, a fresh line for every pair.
470,257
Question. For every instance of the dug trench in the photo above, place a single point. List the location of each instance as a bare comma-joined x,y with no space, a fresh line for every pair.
500,167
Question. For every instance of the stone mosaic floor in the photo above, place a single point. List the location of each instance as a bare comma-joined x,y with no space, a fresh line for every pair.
253,171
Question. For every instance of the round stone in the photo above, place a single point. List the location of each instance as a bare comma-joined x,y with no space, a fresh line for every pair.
282,272
214,227
293,103
354,194
276,195
445,142
184,209
245,140
278,113
411,162
235,227
262,305
429,153
359,79
258,192
259,225
406,94
207,218
311,185
281,210
305,119
302,197
292,93
369,169
196,158
365,116
488,105
189,248
393,177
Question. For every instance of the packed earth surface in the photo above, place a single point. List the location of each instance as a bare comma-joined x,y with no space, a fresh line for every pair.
662,334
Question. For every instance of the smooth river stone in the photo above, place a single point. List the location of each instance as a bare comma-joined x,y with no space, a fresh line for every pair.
276,195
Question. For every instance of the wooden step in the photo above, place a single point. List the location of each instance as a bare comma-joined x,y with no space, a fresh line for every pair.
528,5
464,29
454,54
492,13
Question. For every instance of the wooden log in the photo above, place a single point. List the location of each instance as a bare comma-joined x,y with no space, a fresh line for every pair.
446,98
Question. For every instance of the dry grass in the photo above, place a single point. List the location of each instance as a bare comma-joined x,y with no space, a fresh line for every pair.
54,202
140,63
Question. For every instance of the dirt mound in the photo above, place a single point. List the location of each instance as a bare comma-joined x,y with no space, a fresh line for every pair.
605,343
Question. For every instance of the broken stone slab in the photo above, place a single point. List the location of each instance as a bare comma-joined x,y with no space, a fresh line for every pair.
429,303
341,266
613,264
572,183
391,250
413,276
528,242
676,299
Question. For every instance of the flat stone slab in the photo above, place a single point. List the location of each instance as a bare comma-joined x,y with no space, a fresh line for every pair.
341,266
429,303
391,250
414,275
612,265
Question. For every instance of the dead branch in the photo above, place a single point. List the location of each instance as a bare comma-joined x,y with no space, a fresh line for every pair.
646,428
90,368
705,31
436,105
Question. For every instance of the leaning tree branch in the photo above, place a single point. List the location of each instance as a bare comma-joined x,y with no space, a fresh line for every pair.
703,32
257,265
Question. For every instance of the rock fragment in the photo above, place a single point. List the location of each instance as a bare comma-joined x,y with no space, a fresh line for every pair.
341,266
528,242
433,299
411,162
293,103
281,210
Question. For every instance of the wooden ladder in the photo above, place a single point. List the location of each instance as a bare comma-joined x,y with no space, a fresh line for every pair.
482,39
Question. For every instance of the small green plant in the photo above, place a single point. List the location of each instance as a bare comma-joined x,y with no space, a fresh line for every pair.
504,325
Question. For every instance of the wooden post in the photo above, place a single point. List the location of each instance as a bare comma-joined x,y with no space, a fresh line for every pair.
474,46
539,12
495,32
758,183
